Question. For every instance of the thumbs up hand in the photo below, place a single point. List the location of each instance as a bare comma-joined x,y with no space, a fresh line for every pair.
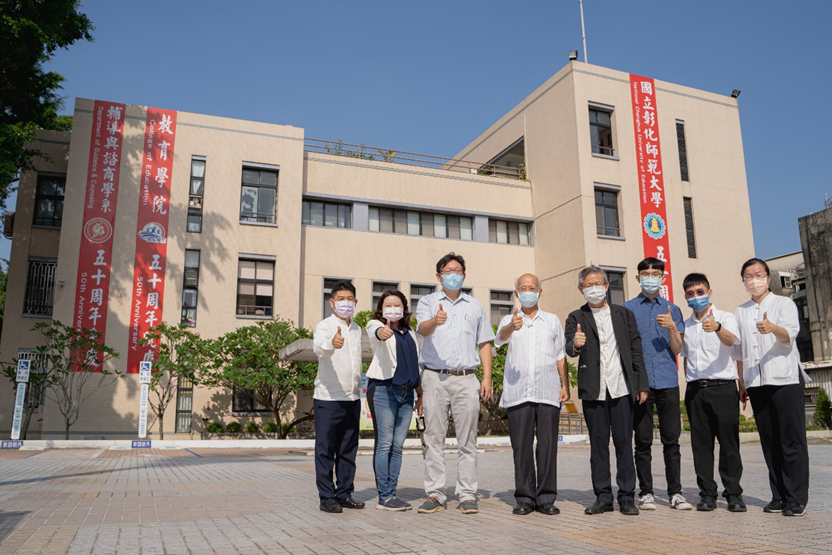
517,320
580,338
709,324
338,339
441,316
385,333
765,326
666,320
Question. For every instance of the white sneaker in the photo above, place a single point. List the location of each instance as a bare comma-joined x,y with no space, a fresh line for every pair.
646,502
678,502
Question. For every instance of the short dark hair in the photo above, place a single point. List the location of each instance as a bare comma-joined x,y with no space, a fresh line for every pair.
379,312
751,262
695,279
651,263
342,286
447,258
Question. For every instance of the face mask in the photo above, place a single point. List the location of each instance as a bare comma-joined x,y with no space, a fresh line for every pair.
392,313
528,298
452,281
756,286
344,309
595,294
699,304
650,284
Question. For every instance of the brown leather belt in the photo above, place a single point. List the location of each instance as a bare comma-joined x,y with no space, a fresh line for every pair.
452,372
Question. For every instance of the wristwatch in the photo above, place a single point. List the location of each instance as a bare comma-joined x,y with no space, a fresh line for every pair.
719,327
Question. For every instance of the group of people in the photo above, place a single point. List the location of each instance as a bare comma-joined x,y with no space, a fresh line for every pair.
627,372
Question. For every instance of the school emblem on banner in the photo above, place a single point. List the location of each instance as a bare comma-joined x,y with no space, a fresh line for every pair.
654,226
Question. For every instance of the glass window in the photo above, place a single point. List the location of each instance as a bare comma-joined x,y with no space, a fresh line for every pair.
524,234
400,221
600,131
683,151
243,400
509,233
691,236
413,223
427,224
380,287
344,216
385,220
606,213
255,288
40,287
616,294
440,228
258,201
417,292
453,227
330,215
329,283
49,200
184,404
195,200
466,228
501,304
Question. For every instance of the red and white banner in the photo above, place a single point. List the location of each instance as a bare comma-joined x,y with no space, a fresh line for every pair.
92,286
650,181
151,233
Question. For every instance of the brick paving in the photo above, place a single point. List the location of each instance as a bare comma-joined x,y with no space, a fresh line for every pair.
223,501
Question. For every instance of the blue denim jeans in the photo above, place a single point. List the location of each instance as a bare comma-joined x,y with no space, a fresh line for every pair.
393,408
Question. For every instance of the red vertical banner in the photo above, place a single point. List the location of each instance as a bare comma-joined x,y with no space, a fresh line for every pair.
650,181
151,233
92,286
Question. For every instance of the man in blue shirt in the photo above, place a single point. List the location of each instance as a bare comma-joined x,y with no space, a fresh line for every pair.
661,325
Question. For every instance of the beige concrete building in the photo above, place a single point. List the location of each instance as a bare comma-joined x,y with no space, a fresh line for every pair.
263,219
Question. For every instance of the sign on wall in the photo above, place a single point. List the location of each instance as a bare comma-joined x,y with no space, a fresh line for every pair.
151,233
652,197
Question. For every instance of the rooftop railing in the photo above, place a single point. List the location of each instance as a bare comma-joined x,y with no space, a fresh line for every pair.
364,152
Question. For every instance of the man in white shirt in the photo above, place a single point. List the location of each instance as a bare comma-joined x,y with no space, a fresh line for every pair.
712,399
535,386
337,406
457,337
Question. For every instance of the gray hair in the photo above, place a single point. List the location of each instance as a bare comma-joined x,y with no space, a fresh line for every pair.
591,270
517,281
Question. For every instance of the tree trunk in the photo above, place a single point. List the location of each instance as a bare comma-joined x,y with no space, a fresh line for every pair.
67,430
161,425
24,427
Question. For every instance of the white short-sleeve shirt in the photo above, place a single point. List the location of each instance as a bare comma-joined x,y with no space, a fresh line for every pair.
707,357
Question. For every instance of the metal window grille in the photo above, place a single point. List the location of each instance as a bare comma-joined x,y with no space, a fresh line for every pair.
40,287
689,227
49,200
184,404
683,152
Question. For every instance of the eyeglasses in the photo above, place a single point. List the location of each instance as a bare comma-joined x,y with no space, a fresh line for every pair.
458,271
749,277
695,293
527,289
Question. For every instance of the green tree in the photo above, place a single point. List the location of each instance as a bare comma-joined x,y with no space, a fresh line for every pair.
823,409
248,358
4,278
361,318
31,32
179,354
492,407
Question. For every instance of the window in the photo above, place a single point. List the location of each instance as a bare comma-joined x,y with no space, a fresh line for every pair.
380,287
255,288
242,400
197,191
49,201
40,287
37,366
501,304
785,280
417,292
259,196
468,291
509,233
689,227
190,288
606,213
327,214
683,152
409,222
329,283
600,132
615,294
184,404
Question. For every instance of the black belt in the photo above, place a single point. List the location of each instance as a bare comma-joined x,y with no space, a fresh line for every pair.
389,383
452,372
712,383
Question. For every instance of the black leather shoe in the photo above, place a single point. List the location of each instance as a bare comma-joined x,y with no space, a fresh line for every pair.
706,503
349,503
774,506
547,509
736,504
627,507
522,509
597,508
331,506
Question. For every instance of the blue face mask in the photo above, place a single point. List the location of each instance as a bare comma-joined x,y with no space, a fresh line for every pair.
528,298
698,304
650,285
452,281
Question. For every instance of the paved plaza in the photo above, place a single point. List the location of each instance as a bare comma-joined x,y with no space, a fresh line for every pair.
225,501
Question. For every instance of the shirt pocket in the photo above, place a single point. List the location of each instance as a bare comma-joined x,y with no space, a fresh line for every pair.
469,326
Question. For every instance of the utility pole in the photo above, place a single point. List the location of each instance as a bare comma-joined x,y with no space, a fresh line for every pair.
583,30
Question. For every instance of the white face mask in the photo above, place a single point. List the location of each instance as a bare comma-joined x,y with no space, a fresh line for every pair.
392,313
344,309
595,294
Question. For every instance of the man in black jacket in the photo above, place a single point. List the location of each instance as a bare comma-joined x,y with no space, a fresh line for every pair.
611,377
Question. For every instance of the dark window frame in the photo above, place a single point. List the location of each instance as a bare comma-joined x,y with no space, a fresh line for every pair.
188,287
39,296
607,230
513,232
196,200
242,401
681,142
268,310
500,303
601,148
259,217
326,310
690,231
617,286
396,221
184,391
306,213
57,200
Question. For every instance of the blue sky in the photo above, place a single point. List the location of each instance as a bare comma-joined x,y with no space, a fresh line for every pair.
430,76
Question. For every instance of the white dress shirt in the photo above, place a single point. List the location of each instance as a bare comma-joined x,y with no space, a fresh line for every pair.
339,370
531,371
707,358
765,360
612,373
454,344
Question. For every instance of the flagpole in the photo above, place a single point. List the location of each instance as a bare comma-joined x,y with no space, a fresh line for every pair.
583,30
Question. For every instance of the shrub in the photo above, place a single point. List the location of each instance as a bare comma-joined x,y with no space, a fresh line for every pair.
252,427
823,409
288,428
747,424
270,428
234,428
214,428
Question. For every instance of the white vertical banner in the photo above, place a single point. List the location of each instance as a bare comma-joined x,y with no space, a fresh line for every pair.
18,410
143,411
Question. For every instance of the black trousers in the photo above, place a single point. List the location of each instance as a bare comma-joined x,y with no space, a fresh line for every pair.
524,422
666,402
714,413
781,423
336,444
603,417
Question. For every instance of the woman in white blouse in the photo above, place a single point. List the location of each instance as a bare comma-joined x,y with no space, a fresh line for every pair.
772,377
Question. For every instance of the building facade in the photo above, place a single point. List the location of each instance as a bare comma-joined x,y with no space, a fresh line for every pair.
261,221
